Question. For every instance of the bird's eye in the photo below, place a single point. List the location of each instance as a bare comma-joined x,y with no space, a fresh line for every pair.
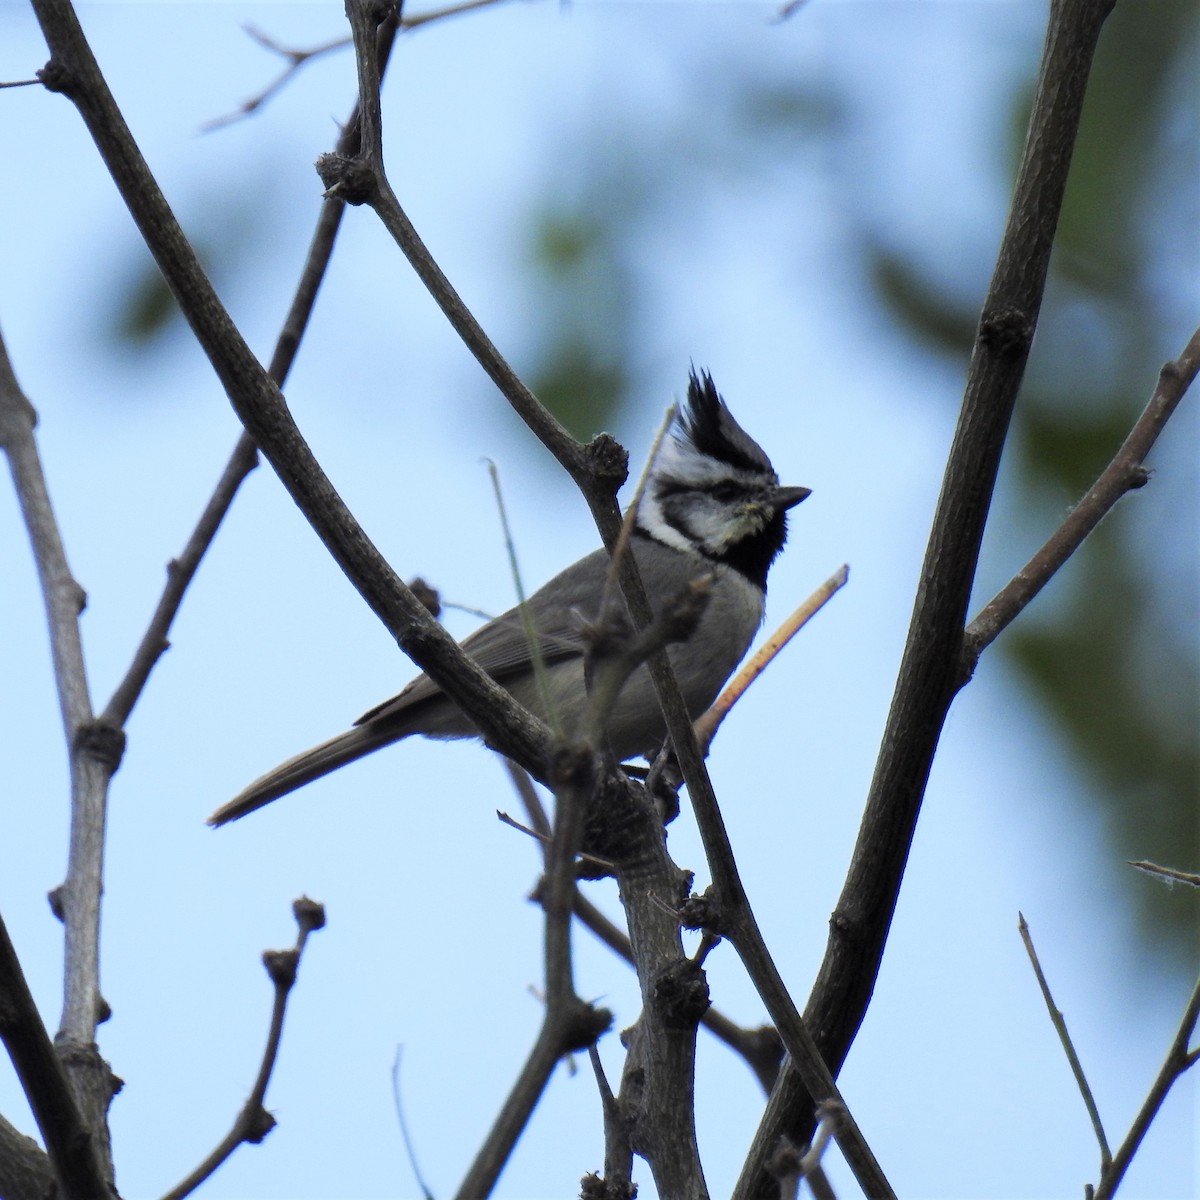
726,492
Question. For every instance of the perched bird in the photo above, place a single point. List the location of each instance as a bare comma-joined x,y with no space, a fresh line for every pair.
713,506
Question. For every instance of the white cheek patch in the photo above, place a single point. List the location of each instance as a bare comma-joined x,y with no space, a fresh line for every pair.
650,518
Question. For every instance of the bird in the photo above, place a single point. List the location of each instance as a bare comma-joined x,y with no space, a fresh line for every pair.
712,506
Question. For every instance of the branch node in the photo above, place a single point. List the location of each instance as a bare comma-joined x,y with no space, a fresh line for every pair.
607,461
281,966
784,1166
54,77
256,1124
1005,329
680,994
703,912
585,1024
427,594
349,179
1169,373
594,1187
102,741
309,914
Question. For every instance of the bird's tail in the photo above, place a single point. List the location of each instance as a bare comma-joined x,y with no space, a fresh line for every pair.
306,767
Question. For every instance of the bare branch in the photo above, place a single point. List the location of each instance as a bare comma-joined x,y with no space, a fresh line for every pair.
527,623
295,60
94,752
73,1149
1168,875
244,458
829,1116
180,572
761,1047
930,668
789,1167
63,596
401,1120
629,521
618,1152
599,468
595,470
1179,1059
1125,473
253,1122
416,20
260,406
568,1023
1060,1027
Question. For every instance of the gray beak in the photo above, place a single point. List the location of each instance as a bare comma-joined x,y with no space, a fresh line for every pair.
788,497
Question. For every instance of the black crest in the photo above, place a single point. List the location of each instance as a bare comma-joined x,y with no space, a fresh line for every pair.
710,427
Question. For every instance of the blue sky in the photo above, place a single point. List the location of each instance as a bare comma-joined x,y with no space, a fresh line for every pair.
956,1077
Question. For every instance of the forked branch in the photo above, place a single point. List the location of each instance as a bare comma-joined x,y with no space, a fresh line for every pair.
594,470
256,399
1180,1059
930,669
253,1122
1126,472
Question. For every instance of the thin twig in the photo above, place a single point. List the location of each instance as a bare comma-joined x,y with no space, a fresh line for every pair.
618,1153
629,521
1125,473
296,59
709,722
528,626
180,572
1060,1026
1179,1059
829,1117
409,1148
568,1023
244,457
505,819
94,751
437,14
253,1122
789,10
1168,875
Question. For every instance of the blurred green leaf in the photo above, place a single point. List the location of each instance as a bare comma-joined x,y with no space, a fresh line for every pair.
926,312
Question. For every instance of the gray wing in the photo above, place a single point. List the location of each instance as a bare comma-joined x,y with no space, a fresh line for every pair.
501,647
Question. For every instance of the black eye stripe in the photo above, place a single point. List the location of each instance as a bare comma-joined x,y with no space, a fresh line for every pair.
722,489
